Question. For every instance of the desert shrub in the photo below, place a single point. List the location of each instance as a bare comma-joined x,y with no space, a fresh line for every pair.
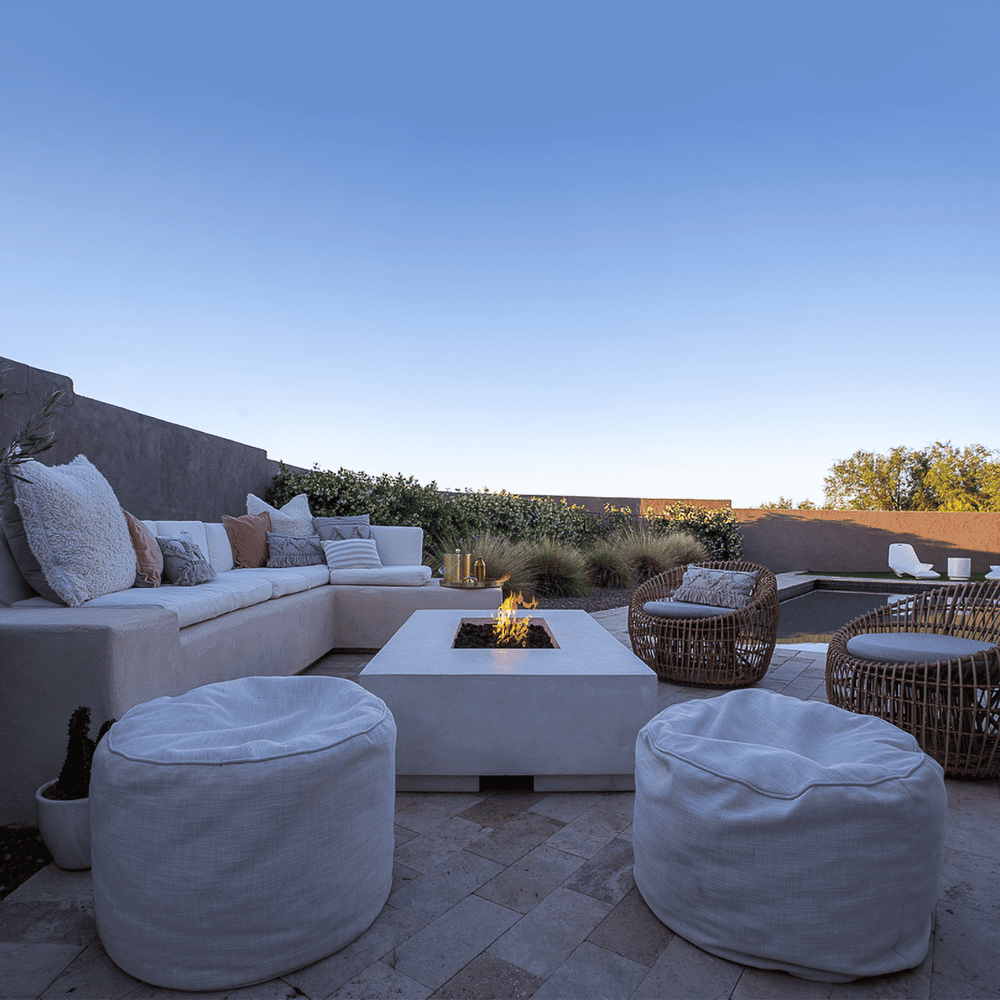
503,558
717,530
648,552
607,565
559,569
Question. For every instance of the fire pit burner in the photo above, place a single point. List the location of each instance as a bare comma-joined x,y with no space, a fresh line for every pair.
481,633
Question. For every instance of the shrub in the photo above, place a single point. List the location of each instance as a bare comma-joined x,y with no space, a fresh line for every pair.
399,499
648,552
503,558
607,565
559,569
717,530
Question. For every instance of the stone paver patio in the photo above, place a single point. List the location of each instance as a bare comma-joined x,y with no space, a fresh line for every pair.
525,894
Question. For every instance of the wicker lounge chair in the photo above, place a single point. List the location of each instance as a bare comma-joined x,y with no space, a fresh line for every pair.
730,650
949,701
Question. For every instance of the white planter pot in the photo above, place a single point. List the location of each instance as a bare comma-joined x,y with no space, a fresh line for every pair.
65,828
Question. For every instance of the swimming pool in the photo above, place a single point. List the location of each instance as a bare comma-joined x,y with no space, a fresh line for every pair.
815,616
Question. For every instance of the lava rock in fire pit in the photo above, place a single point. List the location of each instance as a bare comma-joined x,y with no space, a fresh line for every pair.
473,635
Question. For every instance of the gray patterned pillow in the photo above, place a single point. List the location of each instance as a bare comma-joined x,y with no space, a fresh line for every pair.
336,529
285,551
722,588
183,563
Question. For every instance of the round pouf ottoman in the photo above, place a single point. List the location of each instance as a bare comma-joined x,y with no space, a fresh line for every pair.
789,835
242,830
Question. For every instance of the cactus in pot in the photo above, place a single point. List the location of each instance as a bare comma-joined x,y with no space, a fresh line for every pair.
63,806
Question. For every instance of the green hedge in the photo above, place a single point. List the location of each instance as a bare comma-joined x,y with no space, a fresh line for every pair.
449,517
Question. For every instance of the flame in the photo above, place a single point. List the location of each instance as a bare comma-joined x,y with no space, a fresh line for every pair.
508,629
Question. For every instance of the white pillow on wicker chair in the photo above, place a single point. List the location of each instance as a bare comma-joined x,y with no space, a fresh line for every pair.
723,588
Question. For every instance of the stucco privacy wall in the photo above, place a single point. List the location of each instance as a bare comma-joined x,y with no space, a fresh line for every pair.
157,469
842,540
166,472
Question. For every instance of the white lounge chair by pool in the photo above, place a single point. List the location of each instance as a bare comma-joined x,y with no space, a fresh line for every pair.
903,560
994,573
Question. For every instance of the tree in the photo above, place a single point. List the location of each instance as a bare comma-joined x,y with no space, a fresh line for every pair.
964,479
939,477
785,503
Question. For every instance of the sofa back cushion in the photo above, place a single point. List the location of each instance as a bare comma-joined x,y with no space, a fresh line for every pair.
399,545
67,532
13,586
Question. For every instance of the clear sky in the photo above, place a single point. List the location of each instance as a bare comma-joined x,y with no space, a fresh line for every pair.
672,249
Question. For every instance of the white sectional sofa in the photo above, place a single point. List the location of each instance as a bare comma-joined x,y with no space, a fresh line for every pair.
124,648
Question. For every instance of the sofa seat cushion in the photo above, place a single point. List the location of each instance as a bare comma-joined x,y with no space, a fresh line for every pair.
682,609
288,581
227,592
913,647
384,576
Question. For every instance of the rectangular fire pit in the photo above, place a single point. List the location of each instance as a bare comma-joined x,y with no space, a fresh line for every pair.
568,717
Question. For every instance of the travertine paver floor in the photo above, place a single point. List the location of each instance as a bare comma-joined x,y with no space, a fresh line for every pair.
524,894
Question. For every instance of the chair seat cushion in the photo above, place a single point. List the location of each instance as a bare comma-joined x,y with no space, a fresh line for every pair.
682,609
912,647
790,835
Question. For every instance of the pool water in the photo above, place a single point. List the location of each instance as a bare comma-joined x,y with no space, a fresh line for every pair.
815,616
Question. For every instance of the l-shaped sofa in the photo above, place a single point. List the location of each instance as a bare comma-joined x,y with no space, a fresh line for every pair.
124,648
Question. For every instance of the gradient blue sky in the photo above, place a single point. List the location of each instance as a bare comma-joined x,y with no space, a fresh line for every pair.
656,249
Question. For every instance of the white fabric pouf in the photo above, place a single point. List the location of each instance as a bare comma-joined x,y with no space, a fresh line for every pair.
789,835
242,830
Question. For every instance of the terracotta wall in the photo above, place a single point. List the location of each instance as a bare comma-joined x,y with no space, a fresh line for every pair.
842,540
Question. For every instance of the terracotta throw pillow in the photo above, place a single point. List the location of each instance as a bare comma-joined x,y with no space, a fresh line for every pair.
148,556
248,538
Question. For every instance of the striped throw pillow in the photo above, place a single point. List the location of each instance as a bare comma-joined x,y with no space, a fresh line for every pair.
352,553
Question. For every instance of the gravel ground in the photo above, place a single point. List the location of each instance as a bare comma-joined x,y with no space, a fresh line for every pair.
22,853
596,600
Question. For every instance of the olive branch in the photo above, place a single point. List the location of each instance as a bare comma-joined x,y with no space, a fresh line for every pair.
31,440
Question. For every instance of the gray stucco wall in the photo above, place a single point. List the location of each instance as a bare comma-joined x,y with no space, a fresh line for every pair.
157,469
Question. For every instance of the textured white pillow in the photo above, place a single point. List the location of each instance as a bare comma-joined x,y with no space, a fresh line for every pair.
352,553
721,588
74,527
293,519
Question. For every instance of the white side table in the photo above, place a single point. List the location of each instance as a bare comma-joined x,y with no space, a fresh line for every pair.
959,569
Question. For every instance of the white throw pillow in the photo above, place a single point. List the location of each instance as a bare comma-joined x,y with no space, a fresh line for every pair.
352,553
721,588
293,519
72,539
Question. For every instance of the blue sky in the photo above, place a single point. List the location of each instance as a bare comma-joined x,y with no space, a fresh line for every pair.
654,249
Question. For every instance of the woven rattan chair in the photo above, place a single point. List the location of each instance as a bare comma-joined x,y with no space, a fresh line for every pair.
725,651
952,706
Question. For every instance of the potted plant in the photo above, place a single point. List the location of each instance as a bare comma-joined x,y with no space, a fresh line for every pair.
63,806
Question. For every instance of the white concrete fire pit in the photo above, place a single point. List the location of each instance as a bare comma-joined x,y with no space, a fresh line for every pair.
568,717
